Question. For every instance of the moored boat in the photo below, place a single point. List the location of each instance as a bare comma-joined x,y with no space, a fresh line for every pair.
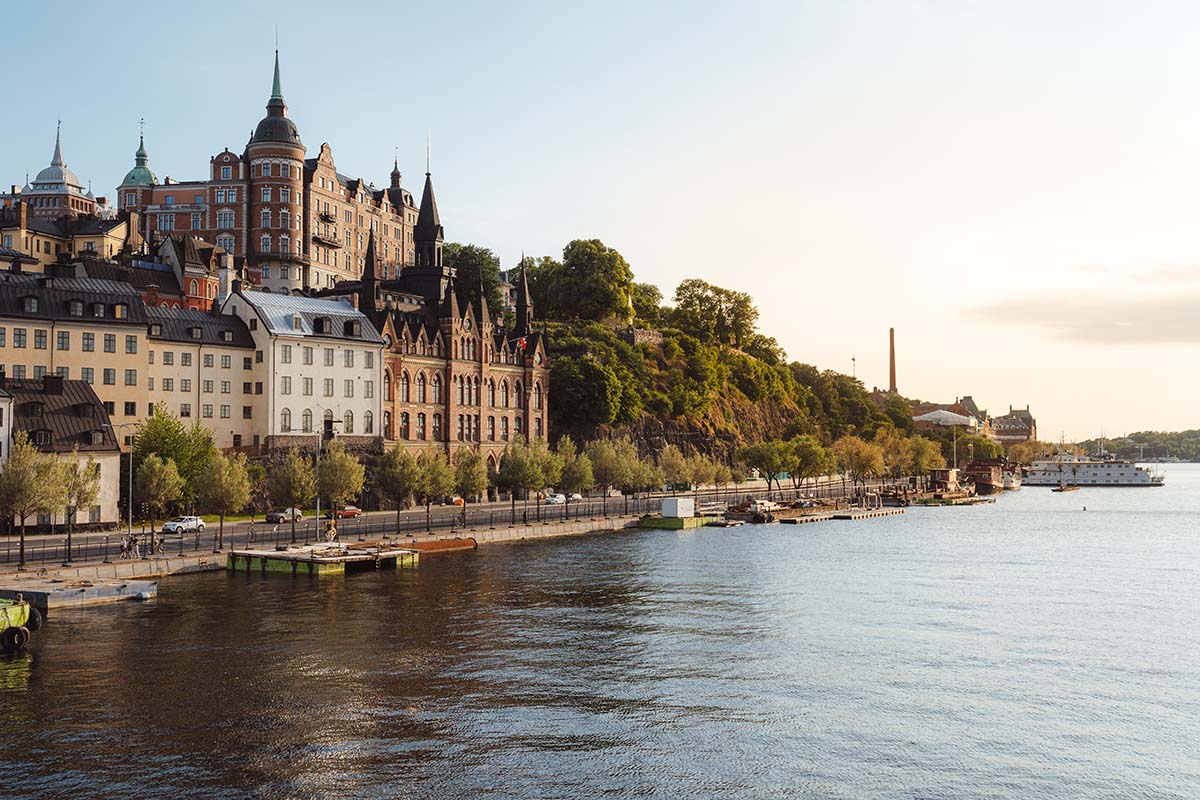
1067,468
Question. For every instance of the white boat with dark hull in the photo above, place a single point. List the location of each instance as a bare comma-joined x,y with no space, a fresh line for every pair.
1073,470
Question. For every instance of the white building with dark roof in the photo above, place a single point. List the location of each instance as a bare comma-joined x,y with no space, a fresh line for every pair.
313,360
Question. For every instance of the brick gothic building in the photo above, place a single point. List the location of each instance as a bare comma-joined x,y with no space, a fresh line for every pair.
297,222
453,377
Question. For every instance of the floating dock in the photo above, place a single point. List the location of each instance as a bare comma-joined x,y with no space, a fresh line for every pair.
807,518
48,594
333,558
862,513
675,523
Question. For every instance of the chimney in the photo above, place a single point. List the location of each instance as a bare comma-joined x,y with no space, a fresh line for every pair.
152,294
22,215
237,287
52,384
892,360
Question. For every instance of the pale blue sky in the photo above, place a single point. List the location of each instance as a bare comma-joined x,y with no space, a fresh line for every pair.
1009,184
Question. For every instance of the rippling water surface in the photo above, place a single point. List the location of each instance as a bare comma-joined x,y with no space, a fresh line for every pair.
1027,649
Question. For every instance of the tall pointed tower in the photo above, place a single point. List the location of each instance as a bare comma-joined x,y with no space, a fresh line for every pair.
524,304
135,190
275,163
428,234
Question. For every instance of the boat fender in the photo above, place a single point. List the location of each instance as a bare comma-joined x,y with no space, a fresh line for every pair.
14,639
142,596
34,623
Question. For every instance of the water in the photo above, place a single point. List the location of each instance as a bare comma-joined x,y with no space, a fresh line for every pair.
1019,650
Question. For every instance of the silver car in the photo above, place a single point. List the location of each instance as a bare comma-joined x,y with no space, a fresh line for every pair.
182,525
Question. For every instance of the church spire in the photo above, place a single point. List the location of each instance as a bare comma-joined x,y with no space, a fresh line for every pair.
57,160
524,303
276,88
366,292
428,234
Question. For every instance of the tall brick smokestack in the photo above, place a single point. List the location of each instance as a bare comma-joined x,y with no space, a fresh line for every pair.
892,360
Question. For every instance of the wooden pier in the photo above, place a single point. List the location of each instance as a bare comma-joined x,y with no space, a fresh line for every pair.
323,559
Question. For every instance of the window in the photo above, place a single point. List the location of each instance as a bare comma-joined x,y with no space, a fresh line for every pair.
225,222
368,388
491,432
2,333
168,358
208,360
185,409
225,387
206,387
308,386
258,357
421,426
264,219
266,191
39,372
19,371
537,395
130,409
348,388
110,377
226,362
437,427
225,412
285,354
226,174
18,337
206,410
504,429
110,343
233,195
306,421
258,387
110,409
348,358
329,387
368,360
185,384
185,359
460,427
247,388
308,356
197,220
420,387
30,305
285,421
39,340
285,218
130,344
89,341
264,244
98,310
120,311
226,243
404,424
348,422
62,372
75,308
168,384
491,392
285,196
437,388
221,192
285,384
537,427
131,377
63,340
247,412
89,374
328,357
170,200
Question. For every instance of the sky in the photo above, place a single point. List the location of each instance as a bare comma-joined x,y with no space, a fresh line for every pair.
1010,185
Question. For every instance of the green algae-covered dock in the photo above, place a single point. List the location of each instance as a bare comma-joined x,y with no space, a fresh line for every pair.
323,559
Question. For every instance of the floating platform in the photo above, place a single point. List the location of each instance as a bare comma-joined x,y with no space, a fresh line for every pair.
807,518
974,500
333,558
724,523
675,523
436,546
48,594
858,513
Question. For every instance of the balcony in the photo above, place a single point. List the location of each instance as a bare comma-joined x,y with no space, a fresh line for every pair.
329,240
327,216
280,258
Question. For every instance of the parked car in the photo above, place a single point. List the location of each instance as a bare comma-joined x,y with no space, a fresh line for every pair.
182,525
287,515
555,499
575,496
344,512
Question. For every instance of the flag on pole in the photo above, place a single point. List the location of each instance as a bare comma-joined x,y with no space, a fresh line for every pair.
521,342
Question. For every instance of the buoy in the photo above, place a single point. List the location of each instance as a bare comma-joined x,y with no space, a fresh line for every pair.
14,639
34,623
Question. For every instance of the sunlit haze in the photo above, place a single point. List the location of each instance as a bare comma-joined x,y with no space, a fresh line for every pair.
1011,185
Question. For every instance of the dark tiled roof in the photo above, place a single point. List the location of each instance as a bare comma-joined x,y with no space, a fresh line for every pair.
138,277
177,324
53,295
71,416
9,255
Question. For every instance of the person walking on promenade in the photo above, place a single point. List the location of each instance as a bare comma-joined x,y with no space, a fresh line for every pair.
135,550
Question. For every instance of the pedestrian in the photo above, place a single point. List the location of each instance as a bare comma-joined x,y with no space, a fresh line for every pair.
135,550
124,547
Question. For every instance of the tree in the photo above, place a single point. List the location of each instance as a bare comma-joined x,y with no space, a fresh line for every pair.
769,458
644,476
810,459
713,314
701,471
673,465
340,476
396,477
81,488
474,264
594,283
926,456
588,389
30,482
225,489
260,492
520,471
158,485
190,448
764,348
470,475
1027,452
647,304
608,466
897,451
434,479
858,458
292,484
577,475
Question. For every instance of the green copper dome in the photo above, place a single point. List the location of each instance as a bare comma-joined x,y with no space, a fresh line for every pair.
140,175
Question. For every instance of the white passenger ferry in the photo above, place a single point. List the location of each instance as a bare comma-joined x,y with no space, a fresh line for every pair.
1072,470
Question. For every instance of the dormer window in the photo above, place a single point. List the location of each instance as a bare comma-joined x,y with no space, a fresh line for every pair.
321,325
297,322
29,305
97,438
41,438
98,310
32,409
227,336
156,329
352,328
75,308
85,410
194,333
120,311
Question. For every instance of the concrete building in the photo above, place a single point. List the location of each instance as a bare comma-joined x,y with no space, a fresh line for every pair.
313,360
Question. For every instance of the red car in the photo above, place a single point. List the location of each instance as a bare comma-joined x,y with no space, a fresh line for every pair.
344,512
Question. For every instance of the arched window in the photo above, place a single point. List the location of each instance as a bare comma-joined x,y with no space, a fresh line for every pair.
517,425
403,424
421,387
437,427
404,386
369,423
421,426
195,288
265,218
504,429
491,429
285,220
537,427
518,397
387,388
491,394
458,382
504,393
306,421
437,388
387,425
285,421
348,422
537,395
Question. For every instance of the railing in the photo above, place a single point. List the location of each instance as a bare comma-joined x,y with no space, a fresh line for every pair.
294,258
328,241
50,551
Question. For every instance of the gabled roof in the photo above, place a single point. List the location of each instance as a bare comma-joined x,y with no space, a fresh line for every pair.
278,311
141,275
55,293
177,325
71,416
